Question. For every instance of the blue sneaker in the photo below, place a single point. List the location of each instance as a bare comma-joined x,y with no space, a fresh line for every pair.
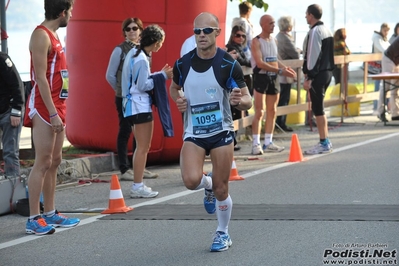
272,148
38,226
221,242
59,220
320,148
209,201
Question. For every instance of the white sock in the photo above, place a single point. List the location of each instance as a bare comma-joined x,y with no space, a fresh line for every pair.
206,182
255,139
137,185
268,138
49,214
223,214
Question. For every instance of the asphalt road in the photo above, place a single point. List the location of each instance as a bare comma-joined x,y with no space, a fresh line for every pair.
360,174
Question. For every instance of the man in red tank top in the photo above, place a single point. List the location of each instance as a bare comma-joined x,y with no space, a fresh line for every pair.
46,111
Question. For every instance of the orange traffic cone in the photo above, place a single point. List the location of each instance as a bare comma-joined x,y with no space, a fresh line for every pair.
234,176
116,201
295,151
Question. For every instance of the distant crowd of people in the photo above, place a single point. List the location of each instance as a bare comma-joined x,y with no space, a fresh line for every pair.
210,86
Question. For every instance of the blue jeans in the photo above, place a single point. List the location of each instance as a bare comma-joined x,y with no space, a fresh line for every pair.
376,88
125,130
10,142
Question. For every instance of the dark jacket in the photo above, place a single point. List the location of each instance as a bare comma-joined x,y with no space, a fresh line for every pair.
318,51
392,52
242,59
11,86
161,101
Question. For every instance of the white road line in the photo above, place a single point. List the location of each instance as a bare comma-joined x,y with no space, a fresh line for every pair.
189,192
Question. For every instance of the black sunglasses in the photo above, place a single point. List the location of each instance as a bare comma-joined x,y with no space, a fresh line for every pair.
240,35
206,31
134,28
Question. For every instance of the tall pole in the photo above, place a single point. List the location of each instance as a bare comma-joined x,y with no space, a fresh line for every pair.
332,15
3,24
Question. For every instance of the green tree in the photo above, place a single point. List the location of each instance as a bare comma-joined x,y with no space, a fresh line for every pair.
257,3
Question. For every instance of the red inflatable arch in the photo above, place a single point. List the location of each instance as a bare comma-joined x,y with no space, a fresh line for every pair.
93,33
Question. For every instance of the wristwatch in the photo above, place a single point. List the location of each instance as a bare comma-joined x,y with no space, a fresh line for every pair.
280,71
237,104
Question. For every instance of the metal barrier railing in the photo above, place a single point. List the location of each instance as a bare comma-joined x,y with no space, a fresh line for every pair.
343,98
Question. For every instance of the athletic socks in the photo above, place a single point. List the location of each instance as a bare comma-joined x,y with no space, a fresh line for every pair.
206,182
223,214
268,139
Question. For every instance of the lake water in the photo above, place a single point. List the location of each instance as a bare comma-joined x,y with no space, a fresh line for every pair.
359,33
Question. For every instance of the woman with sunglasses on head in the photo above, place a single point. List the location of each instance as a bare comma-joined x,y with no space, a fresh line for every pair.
137,84
131,31
238,44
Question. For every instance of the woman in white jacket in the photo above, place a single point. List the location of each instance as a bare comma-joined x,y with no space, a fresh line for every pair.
136,83
380,44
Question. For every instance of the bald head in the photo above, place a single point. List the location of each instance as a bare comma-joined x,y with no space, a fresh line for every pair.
267,24
206,19
265,19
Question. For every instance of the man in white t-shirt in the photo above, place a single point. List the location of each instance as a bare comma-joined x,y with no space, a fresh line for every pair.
243,21
188,45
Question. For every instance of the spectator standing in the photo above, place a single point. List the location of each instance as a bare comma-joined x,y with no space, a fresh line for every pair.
380,44
131,30
318,64
237,43
266,68
245,9
136,88
188,45
286,50
208,126
12,100
46,109
395,33
390,63
340,48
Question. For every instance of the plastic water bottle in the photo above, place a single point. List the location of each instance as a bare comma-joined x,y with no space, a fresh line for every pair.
247,52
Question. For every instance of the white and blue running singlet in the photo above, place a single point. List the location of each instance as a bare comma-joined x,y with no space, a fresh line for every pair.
208,111
269,53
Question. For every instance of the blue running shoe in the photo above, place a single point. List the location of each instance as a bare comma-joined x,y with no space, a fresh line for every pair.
209,201
320,148
272,148
59,220
221,242
38,226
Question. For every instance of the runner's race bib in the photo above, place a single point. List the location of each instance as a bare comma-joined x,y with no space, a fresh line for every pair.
65,84
270,59
206,118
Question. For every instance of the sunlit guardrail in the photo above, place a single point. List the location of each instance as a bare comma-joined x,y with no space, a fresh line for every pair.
343,98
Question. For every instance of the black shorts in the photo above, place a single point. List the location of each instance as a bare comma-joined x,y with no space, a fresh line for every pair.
140,118
319,86
265,84
222,139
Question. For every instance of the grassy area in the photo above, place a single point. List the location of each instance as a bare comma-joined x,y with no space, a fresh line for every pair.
71,150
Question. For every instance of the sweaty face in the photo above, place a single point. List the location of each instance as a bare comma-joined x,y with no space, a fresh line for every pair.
206,40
